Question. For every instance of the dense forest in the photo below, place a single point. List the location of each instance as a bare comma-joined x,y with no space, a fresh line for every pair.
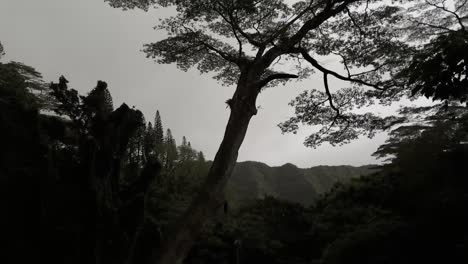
85,181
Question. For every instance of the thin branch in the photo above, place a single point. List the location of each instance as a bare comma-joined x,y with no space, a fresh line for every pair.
345,63
460,6
443,8
314,63
234,31
327,91
432,26
361,32
313,23
285,27
224,55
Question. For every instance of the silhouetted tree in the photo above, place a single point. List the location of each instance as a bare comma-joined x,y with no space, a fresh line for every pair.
135,146
170,151
262,33
158,133
149,142
200,157
23,162
438,66
111,214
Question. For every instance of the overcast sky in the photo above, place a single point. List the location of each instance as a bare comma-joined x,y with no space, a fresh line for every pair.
87,40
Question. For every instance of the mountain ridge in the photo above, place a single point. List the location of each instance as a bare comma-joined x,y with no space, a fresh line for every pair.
254,180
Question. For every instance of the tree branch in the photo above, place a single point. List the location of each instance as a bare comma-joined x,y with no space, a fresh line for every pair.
314,63
221,53
327,91
443,8
310,24
276,76
361,31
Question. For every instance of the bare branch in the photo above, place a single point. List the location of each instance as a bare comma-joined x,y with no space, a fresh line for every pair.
443,8
432,26
276,76
314,63
330,97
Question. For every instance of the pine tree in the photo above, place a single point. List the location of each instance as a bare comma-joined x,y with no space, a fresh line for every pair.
170,148
200,157
186,153
149,142
158,134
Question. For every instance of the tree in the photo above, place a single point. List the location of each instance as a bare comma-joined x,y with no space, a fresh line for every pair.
158,133
438,68
21,81
149,142
243,41
22,160
2,51
185,150
108,210
170,151
201,157
135,146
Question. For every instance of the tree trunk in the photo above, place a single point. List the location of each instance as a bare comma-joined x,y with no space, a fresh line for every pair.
211,198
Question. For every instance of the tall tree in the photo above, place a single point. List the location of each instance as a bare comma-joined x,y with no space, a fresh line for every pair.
158,134
170,151
149,142
135,146
186,153
245,42
200,157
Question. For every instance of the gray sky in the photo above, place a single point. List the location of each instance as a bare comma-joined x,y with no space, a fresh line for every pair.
87,40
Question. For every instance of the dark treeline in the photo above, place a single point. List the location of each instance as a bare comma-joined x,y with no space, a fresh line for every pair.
82,182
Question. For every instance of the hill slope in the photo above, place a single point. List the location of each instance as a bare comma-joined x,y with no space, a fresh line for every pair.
253,180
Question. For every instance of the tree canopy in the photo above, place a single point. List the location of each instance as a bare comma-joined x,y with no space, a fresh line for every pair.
285,40
255,44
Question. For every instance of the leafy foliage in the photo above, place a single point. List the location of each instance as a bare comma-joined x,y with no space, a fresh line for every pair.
440,70
22,84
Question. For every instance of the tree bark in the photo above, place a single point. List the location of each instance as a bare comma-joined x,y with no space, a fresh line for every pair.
211,198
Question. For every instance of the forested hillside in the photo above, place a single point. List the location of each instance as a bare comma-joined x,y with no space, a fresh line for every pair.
255,180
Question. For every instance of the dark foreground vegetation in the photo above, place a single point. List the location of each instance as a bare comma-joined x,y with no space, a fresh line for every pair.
82,182
98,185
